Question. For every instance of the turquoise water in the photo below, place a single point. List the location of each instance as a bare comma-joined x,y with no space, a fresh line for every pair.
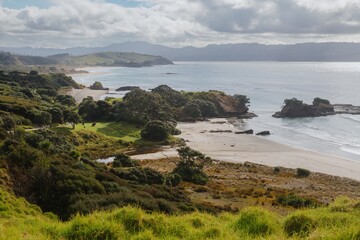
267,84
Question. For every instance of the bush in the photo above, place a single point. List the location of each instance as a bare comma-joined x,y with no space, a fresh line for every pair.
301,172
155,131
276,170
140,175
296,201
191,165
173,179
123,160
256,222
299,225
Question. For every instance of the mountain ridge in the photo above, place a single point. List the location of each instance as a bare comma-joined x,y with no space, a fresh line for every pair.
327,52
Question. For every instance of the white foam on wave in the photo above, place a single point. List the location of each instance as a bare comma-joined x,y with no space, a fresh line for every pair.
355,118
351,149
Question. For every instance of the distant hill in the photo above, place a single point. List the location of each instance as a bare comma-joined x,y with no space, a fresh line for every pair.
326,52
95,59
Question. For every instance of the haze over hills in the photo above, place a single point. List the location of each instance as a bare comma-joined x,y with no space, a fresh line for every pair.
93,59
331,51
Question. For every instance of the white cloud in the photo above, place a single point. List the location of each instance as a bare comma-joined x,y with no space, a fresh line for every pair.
181,22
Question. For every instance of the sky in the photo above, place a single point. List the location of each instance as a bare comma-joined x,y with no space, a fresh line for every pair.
176,23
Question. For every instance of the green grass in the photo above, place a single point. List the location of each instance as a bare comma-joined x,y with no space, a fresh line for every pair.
21,220
122,130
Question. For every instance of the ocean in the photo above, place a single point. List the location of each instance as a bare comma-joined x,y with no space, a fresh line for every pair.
267,84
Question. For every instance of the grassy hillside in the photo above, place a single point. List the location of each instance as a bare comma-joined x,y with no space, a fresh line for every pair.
21,220
10,61
114,59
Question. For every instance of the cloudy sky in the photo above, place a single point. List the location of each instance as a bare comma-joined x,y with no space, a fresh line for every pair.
68,23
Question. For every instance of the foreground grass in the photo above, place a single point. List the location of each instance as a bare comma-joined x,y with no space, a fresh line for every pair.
21,220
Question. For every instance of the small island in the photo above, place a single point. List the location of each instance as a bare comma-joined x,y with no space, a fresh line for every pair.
295,108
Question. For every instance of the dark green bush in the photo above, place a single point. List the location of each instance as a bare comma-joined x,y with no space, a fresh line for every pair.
191,164
173,179
123,160
299,225
276,170
296,201
140,175
155,131
300,172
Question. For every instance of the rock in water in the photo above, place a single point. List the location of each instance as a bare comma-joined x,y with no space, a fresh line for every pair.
295,108
263,133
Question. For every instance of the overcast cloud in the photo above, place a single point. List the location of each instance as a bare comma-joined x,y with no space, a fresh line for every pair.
67,23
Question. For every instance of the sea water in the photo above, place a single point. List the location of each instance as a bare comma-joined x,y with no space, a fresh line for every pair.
267,84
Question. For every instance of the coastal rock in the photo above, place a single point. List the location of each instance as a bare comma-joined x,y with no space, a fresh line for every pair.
98,86
346,109
263,133
295,108
250,131
248,115
127,88
220,131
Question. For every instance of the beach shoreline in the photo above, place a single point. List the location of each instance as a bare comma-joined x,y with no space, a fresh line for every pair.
80,94
239,148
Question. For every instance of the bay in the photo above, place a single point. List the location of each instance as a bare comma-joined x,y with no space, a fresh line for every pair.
267,84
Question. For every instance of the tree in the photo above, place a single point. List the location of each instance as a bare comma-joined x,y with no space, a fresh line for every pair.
40,117
191,165
141,107
57,115
71,117
155,131
123,160
66,100
8,123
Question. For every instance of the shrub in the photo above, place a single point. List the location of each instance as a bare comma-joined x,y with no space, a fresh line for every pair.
123,160
256,222
299,225
155,131
190,166
140,175
166,206
173,179
301,172
296,201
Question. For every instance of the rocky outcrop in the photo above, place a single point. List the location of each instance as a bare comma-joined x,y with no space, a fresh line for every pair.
263,133
250,131
295,108
127,88
346,109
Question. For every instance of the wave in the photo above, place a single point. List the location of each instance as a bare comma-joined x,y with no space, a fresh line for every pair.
354,118
351,149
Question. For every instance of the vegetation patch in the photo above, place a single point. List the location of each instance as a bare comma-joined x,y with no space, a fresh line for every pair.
256,222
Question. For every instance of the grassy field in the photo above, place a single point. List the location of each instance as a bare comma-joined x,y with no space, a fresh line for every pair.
122,130
21,220
125,131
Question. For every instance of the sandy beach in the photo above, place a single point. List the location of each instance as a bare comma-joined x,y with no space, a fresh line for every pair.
237,148
80,94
